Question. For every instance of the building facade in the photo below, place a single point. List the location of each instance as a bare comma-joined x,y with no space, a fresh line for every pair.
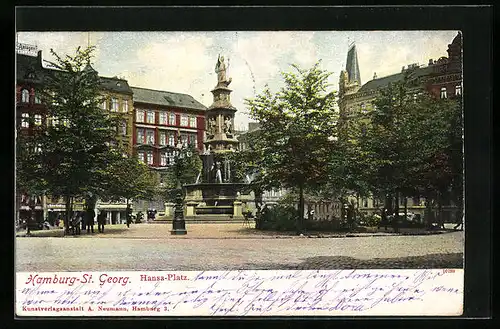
442,78
164,121
31,118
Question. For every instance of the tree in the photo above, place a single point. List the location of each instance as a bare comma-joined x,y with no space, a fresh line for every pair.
292,146
77,142
185,169
128,178
404,144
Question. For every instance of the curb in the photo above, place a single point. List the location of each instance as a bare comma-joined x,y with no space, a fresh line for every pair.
350,235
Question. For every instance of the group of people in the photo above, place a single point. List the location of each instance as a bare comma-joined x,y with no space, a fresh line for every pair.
86,221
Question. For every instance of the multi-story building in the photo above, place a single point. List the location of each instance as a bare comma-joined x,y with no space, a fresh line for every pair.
31,118
442,78
163,122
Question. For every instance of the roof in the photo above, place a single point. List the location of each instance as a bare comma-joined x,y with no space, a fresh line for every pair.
116,85
167,98
385,81
27,65
352,66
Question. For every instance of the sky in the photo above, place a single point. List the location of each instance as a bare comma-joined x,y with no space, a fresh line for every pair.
184,62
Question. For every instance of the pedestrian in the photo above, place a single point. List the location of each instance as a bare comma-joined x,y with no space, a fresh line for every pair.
101,220
89,218
129,215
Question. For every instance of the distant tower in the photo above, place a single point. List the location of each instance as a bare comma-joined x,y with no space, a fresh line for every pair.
220,115
352,66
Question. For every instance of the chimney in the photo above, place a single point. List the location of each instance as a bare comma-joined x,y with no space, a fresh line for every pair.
374,75
39,57
431,61
403,69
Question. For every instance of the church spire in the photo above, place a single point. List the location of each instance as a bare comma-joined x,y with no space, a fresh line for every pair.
352,66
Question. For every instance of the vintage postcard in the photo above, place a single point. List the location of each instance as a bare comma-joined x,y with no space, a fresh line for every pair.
239,173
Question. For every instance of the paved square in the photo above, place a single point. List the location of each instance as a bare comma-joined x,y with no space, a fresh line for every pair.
231,247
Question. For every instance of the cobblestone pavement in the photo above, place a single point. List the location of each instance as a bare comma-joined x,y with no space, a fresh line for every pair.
101,252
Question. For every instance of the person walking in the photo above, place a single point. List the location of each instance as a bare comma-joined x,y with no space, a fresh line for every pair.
89,218
101,220
129,215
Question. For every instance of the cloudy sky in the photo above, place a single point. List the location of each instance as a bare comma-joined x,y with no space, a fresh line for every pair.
184,62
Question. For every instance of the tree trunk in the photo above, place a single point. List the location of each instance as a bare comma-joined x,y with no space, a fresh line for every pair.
68,213
440,209
406,208
395,222
301,210
428,212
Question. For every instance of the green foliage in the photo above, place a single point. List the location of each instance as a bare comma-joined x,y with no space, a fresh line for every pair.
292,146
126,177
77,147
186,168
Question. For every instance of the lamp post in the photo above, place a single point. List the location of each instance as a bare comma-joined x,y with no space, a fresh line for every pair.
178,223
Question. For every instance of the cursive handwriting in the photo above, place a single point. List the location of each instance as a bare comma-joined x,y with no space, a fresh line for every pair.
238,292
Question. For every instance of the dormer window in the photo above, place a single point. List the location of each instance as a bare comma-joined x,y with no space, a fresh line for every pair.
25,96
458,90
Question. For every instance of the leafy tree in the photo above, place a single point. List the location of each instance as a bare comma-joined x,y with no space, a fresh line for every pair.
185,169
76,144
292,146
128,178
404,144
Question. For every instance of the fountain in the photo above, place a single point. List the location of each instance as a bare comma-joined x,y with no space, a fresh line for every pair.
216,195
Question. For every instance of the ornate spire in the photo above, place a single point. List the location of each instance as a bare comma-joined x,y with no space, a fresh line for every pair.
352,66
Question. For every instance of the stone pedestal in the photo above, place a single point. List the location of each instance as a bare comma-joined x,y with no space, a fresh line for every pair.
237,209
191,208
169,209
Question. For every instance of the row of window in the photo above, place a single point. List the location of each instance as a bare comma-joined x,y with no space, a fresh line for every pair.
113,104
166,158
25,120
165,118
148,136
458,91
25,97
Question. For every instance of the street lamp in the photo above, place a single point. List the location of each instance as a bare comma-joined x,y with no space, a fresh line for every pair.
178,223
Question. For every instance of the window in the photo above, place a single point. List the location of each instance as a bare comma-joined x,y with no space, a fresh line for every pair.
104,104
192,122
184,120
37,99
25,120
193,140
140,156
65,122
163,159
151,117
443,92
151,137
150,158
38,148
139,116
124,128
171,119
140,136
365,203
125,105
25,96
55,121
38,120
171,139
163,138
163,118
114,104
183,140
170,157
458,90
